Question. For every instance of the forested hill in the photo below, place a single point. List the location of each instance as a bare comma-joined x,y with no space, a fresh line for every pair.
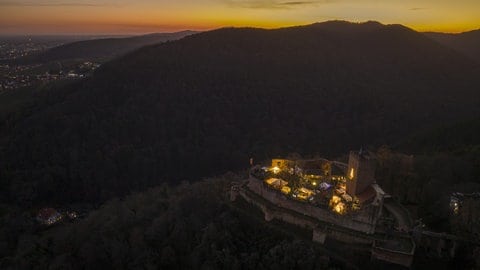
467,43
100,49
460,137
190,226
206,103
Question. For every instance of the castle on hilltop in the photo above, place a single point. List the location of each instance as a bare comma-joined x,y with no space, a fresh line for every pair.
334,200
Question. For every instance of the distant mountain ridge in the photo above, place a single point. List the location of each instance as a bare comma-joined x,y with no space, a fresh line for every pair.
101,49
467,43
208,102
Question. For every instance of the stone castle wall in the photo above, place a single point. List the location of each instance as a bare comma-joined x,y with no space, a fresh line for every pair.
404,259
319,232
324,224
271,214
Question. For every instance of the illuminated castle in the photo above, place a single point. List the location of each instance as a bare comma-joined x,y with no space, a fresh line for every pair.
334,200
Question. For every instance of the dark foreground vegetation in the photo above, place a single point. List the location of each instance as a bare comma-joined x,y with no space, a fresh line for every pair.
194,226
191,226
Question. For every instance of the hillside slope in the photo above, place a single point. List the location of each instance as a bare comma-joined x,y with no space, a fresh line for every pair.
187,227
467,43
99,49
457,138
206,103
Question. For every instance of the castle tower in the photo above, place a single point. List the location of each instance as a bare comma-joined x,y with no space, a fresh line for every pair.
360,173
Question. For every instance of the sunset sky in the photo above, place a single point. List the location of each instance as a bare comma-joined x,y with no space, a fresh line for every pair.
145,16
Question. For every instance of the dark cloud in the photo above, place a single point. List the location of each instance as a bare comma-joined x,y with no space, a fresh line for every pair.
417,8
272,4
51,4
297,3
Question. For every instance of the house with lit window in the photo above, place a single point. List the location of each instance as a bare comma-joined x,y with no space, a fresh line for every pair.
48,216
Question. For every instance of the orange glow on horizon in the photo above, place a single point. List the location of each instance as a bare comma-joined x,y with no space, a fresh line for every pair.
146,16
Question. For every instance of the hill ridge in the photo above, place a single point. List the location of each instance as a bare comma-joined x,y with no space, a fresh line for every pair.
205,104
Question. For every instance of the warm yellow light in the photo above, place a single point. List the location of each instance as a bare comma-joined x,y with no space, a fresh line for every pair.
150,16
337,205
314,183
352,173
276,170
286,190
334,200
339,208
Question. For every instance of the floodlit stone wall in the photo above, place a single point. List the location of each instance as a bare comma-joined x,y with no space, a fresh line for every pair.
363,220
271,214
323,223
